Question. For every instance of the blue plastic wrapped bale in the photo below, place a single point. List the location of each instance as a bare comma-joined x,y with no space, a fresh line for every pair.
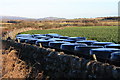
34,35
24,35
23,39
70,47
63,37
46,38
77,38
115,58
38,41
113,46
71,41
57,39
101,43
56,44
18,38
88,42
44,43
74,39
53,35
40,37
85,50
31,41
103,53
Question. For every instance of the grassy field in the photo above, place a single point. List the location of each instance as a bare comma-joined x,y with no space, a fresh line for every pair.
99,33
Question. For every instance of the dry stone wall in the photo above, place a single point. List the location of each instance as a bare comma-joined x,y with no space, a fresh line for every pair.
58,65
13,33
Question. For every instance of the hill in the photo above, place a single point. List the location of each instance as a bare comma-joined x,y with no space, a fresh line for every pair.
51,18
24,18
13,18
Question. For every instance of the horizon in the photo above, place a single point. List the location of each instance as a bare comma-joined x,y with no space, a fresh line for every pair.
54,17
69,9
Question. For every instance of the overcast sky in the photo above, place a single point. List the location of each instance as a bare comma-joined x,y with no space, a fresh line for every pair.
59,8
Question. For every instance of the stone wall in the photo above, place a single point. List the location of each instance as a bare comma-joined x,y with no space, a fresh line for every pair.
58,65
14,32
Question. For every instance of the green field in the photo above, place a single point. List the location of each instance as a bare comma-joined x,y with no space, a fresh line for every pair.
99,33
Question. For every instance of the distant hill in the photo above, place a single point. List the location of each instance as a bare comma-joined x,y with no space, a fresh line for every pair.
51,18
13,18
24,18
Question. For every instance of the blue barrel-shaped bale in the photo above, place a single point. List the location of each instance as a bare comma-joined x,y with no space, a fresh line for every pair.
57,44
24,35
113,46
57,39
71,41
44,43
103,53
40,37
63,37
69,48
101,43
31,41
115,58
34,35
53,35
88,42
23,39
77,38
85,50
74,39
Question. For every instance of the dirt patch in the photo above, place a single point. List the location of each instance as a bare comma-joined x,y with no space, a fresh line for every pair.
15,68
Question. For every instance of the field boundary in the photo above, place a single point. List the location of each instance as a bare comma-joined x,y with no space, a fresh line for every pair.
13,33
58,65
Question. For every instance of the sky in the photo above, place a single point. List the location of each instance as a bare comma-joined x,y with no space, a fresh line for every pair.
59,8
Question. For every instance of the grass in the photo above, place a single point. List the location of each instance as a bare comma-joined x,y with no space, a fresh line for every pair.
99,33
